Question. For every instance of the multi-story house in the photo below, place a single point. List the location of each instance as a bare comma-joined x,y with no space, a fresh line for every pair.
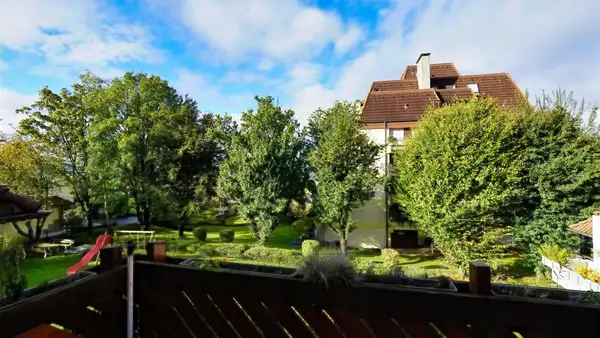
393,108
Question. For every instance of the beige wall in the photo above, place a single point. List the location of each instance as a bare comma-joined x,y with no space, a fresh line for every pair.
370,225
9,229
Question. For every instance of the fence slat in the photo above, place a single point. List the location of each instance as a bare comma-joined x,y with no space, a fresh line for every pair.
492,331
189,314
261,317
417,327
287,318
383,327
234,314
212,315
454,329
319,322
165,321
351,325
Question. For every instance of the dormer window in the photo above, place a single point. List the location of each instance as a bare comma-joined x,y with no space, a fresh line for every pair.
474,87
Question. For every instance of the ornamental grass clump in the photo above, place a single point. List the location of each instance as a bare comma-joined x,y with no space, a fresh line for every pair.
328,269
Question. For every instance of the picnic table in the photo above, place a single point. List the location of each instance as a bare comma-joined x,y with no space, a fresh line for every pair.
50,247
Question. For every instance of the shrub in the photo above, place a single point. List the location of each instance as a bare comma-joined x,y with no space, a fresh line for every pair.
361,266
556,253
588,273
304,224
390,258
274,256
415,272
12,279
200,234
205,251
310,247
225,250
328,269
226,235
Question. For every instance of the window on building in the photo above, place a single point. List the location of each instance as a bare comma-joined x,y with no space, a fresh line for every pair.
397,134
586,246
474,87
450,86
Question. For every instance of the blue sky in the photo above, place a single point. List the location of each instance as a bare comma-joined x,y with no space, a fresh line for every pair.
306,53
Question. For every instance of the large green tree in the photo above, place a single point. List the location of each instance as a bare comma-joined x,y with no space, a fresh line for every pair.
265,166
562,159
137,133
195,170
28,169
459,178
61,122
343,164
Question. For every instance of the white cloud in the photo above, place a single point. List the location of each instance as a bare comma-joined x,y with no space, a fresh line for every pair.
209,96
541,46
9,101
74,35
306,100
304,73
349,39
269,29
265,65
244,77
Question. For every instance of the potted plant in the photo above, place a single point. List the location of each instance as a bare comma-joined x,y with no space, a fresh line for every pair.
395,276
506,290
202,263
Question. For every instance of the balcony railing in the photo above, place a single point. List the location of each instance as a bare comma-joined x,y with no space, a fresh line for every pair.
569,279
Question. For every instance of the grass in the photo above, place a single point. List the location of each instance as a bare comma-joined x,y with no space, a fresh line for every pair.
39,270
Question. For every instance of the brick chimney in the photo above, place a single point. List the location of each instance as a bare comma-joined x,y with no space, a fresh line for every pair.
424,71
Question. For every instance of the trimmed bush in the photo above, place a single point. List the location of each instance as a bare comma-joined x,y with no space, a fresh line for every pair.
226,235
310,247
225,250
390,258
274,256
304,224
199,234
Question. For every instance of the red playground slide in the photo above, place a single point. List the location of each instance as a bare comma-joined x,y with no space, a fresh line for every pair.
100,243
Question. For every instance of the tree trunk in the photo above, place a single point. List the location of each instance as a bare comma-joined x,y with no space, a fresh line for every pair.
182,223
146,222
88,218
343,244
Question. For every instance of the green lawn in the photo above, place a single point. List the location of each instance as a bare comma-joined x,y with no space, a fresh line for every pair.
420,261
39,270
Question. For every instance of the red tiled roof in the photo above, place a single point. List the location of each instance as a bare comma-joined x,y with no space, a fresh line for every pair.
398,105
499,86
437,70
583,227
394,85
451,94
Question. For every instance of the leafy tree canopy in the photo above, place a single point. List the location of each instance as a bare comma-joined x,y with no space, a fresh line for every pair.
459,178
342,161
265,166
